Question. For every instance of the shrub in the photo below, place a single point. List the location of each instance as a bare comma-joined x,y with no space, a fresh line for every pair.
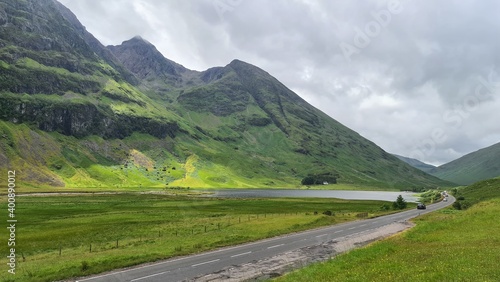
465,205
308,180
329,213
385,207
85,266
457,205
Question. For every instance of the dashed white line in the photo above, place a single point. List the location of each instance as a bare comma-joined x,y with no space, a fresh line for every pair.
207,262
149,276
321,235
338,231
242,254
275,246
362,225
351,228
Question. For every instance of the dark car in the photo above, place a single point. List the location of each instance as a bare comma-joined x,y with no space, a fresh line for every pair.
421,206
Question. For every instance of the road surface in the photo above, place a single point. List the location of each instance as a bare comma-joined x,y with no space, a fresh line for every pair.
188,267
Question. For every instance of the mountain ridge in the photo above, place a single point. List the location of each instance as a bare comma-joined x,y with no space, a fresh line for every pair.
416,163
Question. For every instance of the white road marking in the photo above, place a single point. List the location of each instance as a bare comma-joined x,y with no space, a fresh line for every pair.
321,235
351,228
339,231
275,246
242,254
149,276
207,262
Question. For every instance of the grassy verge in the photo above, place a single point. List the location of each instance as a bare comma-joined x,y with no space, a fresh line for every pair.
67,236
447,245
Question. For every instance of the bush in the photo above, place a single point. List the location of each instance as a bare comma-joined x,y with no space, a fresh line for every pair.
85,266
308,180
329,213
461,198
457,205
465,205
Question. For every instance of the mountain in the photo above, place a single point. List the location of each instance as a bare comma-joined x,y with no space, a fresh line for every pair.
476,166
77,114
416,163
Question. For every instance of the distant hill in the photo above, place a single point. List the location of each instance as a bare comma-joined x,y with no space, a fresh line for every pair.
74,113
416,163
480,165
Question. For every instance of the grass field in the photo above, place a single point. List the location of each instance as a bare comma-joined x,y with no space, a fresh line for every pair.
447,245
67,236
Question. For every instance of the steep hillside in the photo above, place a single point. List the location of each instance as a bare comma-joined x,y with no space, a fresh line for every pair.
53,79
480,165
416,163
77,114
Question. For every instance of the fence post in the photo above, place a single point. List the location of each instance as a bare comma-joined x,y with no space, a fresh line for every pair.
90,249
117,243
60,249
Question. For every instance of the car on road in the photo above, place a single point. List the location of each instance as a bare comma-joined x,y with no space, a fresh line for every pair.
421,206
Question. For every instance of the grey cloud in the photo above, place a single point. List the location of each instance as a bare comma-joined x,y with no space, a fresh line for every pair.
407,82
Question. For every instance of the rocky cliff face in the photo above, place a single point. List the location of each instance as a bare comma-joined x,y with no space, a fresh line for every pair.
81,119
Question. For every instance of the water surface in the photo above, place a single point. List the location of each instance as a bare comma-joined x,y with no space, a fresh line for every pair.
340,194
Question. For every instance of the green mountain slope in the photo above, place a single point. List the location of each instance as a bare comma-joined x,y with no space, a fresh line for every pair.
416,163
480,165
77,114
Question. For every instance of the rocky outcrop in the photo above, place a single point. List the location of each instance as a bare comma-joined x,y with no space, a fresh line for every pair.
146,62
81,119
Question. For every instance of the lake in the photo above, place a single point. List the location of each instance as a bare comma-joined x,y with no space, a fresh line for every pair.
289,193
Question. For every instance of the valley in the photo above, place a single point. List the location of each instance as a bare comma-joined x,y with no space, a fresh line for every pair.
68,236
80,115
128,163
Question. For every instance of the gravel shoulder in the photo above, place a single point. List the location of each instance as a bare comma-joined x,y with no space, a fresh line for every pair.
286,262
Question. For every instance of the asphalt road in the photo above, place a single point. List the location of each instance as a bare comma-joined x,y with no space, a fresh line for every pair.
182,268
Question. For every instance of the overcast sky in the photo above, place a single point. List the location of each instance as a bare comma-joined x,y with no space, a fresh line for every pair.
418,78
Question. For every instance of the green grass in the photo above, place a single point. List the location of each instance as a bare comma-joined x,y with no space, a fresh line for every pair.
151,227
447,245
480,191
